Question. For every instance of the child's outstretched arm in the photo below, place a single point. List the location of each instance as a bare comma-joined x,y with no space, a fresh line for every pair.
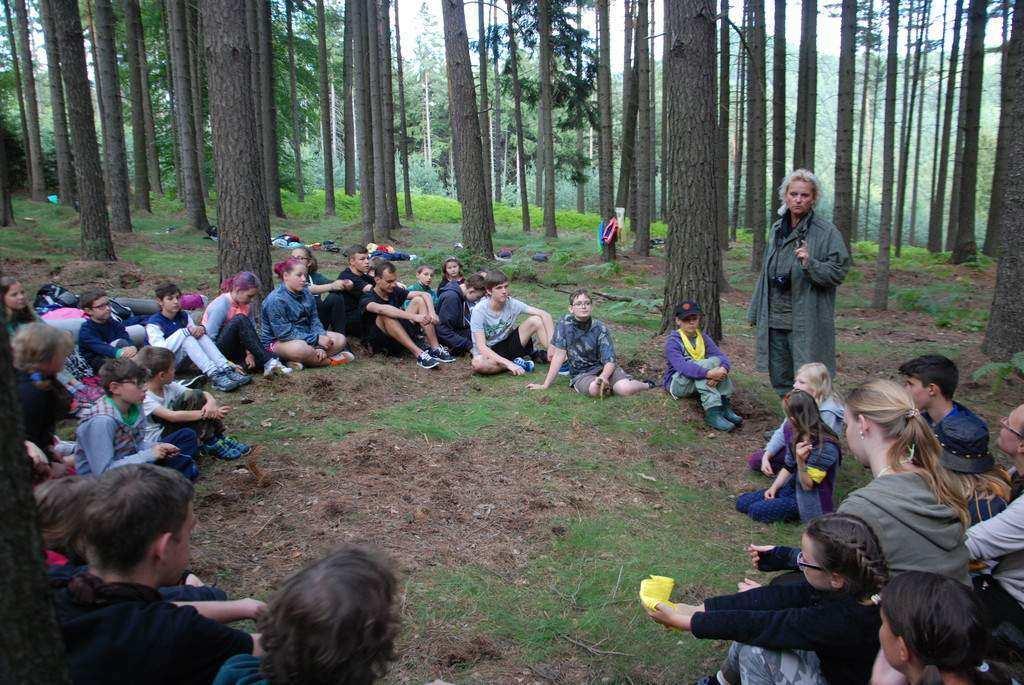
227,611
779,481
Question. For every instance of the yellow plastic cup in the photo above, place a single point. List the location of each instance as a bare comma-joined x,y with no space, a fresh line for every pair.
656,589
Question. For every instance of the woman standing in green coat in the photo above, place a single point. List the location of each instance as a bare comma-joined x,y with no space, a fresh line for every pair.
794,299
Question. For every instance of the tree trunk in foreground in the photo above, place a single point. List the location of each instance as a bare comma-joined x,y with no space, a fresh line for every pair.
477,212
96,242
692,245
605,173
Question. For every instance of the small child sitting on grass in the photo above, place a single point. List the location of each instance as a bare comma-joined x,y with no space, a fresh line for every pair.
424,277
815,380
332,622
823,630
804,486
170,406
174,329
112,431
696,366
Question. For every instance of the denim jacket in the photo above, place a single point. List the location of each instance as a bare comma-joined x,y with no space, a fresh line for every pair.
289,316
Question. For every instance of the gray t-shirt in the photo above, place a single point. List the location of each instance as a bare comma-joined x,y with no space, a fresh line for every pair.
495,325
172,391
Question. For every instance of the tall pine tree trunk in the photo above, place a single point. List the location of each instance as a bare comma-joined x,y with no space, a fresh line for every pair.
375,69
403,124
739,143
19,92
195,66
133,28
517,115
807,88
880,300
908,122
242,216
6,207
1003,337
630,104
293,96
546,105
477,211
581,185
644,201
96,242
61,142
117,157
938,205
499,139
868,40
974,56
692,249
35,147
388,115
605,172
756,215
322,67
347,113
152,156
991,245
876,84
779,96
268,110
912,235
723,127
842,216
192,188
363,116
485,107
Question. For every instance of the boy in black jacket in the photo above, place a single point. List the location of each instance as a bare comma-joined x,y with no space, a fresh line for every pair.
453,307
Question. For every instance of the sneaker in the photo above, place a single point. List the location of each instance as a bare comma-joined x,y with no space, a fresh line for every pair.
220,448
441,354
295,366
273,366
196,381
565,369
342,358
651,385
237,376
223,381
426,361
238,446
524,363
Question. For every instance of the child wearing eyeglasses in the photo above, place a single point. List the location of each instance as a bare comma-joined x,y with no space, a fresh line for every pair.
823,630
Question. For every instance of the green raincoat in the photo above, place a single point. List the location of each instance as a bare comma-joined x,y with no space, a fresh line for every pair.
813,292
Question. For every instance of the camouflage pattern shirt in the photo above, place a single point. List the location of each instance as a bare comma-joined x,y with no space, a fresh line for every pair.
587,343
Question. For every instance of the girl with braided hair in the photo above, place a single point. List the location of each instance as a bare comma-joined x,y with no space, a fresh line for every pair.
823,631
934,630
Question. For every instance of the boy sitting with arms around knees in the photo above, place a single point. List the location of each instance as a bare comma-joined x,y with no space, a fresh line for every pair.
455,301
424,276
170,405
389,329
112,432
137,527
588,345
173,328
332,622
696,366
498,344
932,380
101,336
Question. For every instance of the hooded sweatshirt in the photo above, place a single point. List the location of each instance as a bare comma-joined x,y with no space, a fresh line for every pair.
453,318
916,531
108,439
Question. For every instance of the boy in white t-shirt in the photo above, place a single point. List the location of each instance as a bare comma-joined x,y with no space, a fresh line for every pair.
498,344
169,406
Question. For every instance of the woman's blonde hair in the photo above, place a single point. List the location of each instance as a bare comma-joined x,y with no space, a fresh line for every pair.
987,485
805,175
37,343
60,503
820,382
891,407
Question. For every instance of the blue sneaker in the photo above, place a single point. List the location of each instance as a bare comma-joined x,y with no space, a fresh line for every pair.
524,363
565,369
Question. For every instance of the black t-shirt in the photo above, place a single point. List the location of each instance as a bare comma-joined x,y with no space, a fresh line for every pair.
397,299
142,639
353,296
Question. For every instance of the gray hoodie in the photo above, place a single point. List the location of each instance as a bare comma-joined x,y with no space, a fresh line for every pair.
917,533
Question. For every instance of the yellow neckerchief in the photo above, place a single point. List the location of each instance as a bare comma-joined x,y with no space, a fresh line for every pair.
696,352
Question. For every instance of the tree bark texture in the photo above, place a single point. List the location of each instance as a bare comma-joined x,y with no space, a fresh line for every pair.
35,146
723,126
242,217
935,214
133,28
866,79
692,245
300,191
252,32
376,87
517,115
779,96
630,105
19,92
605,173
113,141
909,87
388,114
991,245
807,88
403,147
195,70
152,157
192,189
880,299
644,201
268,111
6,207
61,142
756,197
477,212
363,117
347,114
842,216
1003,335
96,242
485,106
546,105
974,54
33,651
322,67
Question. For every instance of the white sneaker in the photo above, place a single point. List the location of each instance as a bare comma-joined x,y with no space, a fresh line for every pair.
275,366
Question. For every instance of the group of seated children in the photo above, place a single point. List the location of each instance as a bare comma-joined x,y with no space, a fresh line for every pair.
130,611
